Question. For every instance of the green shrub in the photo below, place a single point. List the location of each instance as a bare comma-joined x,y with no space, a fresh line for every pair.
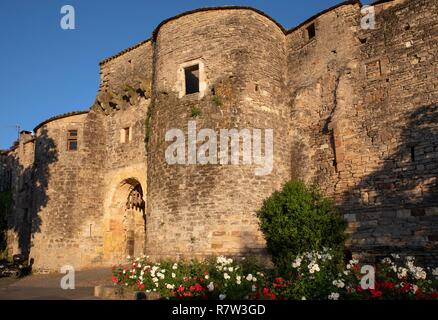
195,112
217,100
299,219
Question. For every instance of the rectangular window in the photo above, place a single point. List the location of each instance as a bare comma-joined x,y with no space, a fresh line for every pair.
72,140
125,135
311,31
192,79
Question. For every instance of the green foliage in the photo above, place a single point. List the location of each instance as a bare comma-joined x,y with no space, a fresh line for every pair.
195,112
314,277
299,219
217,100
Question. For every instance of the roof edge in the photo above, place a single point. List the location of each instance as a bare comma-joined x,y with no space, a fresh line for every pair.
61,116
345,3
216,8
282,28
124,51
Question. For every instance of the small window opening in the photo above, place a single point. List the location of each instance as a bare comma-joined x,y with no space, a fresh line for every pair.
413,154
72,140
363,40
311,31
125,135
256,88
192,79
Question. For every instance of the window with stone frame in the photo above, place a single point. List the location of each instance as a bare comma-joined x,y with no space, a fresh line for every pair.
72,140
311,31
125,135
192,79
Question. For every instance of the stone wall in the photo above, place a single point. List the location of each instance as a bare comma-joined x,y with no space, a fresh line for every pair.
199,210
353,111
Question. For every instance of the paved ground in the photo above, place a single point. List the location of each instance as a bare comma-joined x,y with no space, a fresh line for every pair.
47,286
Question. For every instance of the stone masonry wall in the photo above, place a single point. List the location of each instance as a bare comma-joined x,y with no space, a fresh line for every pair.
353,111
199,210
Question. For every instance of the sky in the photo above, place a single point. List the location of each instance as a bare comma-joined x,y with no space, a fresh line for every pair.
46,71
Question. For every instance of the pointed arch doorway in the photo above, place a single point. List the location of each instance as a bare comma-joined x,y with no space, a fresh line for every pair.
126,226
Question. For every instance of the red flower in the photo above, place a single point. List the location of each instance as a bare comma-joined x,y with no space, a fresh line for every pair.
406,287
181,289
266,292
388,285
115,279
140,286
359,288
376,293
279,280
434,295
273,296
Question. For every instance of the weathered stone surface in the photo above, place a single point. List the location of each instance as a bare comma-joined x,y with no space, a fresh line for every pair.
353,111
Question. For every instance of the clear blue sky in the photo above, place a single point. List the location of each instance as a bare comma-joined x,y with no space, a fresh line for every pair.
46,71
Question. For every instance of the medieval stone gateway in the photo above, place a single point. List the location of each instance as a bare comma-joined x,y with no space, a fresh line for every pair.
354,111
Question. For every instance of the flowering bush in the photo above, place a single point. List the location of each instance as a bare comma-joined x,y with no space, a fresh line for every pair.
313,277
298,219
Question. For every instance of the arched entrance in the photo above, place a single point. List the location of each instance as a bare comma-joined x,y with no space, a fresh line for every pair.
127,223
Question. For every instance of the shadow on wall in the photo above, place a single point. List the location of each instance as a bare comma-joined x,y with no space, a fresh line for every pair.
29,192
400,195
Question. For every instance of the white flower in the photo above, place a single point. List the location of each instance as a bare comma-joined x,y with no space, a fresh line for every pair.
128,257
254,288
297,262
222,296
249,277
338,283
210,287
395,256
402,273
238,278
173,275
386,260
148,291
207,277
231,269
238,282
155,279
435,272
175,266
333,296
420,274
226,276
313,267
170,286
303,298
